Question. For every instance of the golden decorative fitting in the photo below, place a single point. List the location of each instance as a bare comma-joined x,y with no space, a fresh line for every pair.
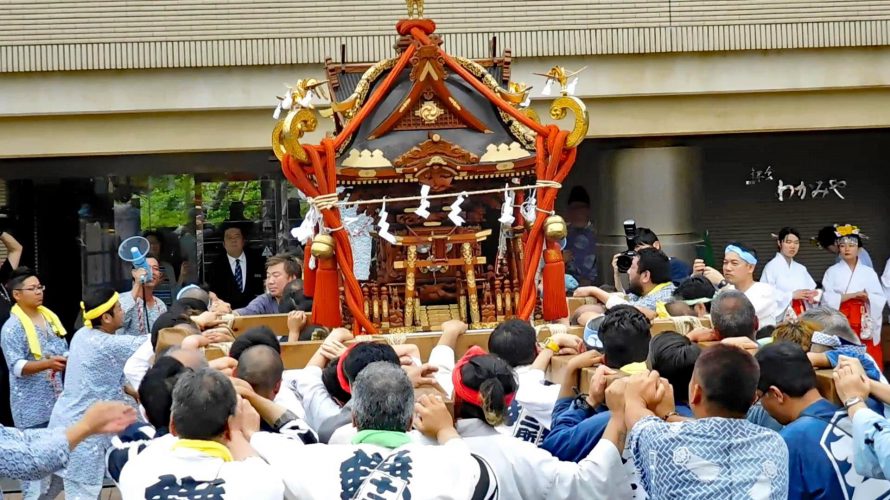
429,112
322,246
515,94
561,76
288,132
555,228
558,111
415,9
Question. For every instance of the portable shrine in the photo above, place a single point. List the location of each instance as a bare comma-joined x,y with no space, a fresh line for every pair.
434,198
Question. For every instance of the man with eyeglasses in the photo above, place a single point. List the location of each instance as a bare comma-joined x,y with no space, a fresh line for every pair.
36,355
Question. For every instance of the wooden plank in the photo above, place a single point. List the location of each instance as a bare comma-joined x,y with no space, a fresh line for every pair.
277,322
825,384
557,370
667,325
576,302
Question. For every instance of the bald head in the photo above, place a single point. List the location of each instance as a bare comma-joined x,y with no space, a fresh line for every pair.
189,358
261,367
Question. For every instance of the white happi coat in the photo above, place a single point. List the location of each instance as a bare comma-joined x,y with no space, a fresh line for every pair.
367,471
840,280
525,471
162,472
785,280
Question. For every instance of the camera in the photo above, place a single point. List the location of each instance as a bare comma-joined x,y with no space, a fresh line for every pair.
626,258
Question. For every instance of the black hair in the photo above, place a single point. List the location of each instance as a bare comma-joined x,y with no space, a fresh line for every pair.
167,319
765,332
494,379
827,236
294,299
786,366
625,336
260,335
579,195
645,236
733,315
728,377
785,231
95,297
745,248
673,356
261,367
656,262
514,341
240,226
203,401
18,277
332,383
695,287
364,354
156,390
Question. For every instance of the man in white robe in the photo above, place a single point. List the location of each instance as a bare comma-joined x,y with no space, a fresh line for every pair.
206,453
739,262
382,461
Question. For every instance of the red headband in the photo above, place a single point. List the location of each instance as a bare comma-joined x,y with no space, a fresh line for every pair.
341,374
465,393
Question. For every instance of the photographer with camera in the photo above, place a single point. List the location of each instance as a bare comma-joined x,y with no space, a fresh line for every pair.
14,251
650,283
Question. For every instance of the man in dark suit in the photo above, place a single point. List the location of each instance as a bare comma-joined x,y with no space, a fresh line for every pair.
236,277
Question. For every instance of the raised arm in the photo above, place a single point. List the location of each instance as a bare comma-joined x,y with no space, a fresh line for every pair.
14,249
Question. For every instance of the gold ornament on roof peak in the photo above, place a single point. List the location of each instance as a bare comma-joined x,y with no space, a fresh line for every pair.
415,9
561,76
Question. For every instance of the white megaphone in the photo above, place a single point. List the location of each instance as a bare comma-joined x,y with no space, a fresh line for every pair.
134,250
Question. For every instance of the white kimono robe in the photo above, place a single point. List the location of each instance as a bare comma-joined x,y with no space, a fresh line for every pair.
885,281
786,280
364,471
763,297
161,472
839,280
525,471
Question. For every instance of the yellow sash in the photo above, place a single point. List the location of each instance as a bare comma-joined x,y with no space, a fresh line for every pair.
211,448
660,309
31,331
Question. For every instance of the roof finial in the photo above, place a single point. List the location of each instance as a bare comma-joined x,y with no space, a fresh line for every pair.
415,9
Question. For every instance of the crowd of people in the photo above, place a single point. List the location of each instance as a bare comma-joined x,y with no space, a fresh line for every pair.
728,403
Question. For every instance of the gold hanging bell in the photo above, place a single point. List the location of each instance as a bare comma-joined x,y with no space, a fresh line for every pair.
322,246
555,228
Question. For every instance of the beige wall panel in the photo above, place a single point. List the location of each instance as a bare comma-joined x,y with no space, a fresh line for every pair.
719,114
47,35
193,89
79,135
